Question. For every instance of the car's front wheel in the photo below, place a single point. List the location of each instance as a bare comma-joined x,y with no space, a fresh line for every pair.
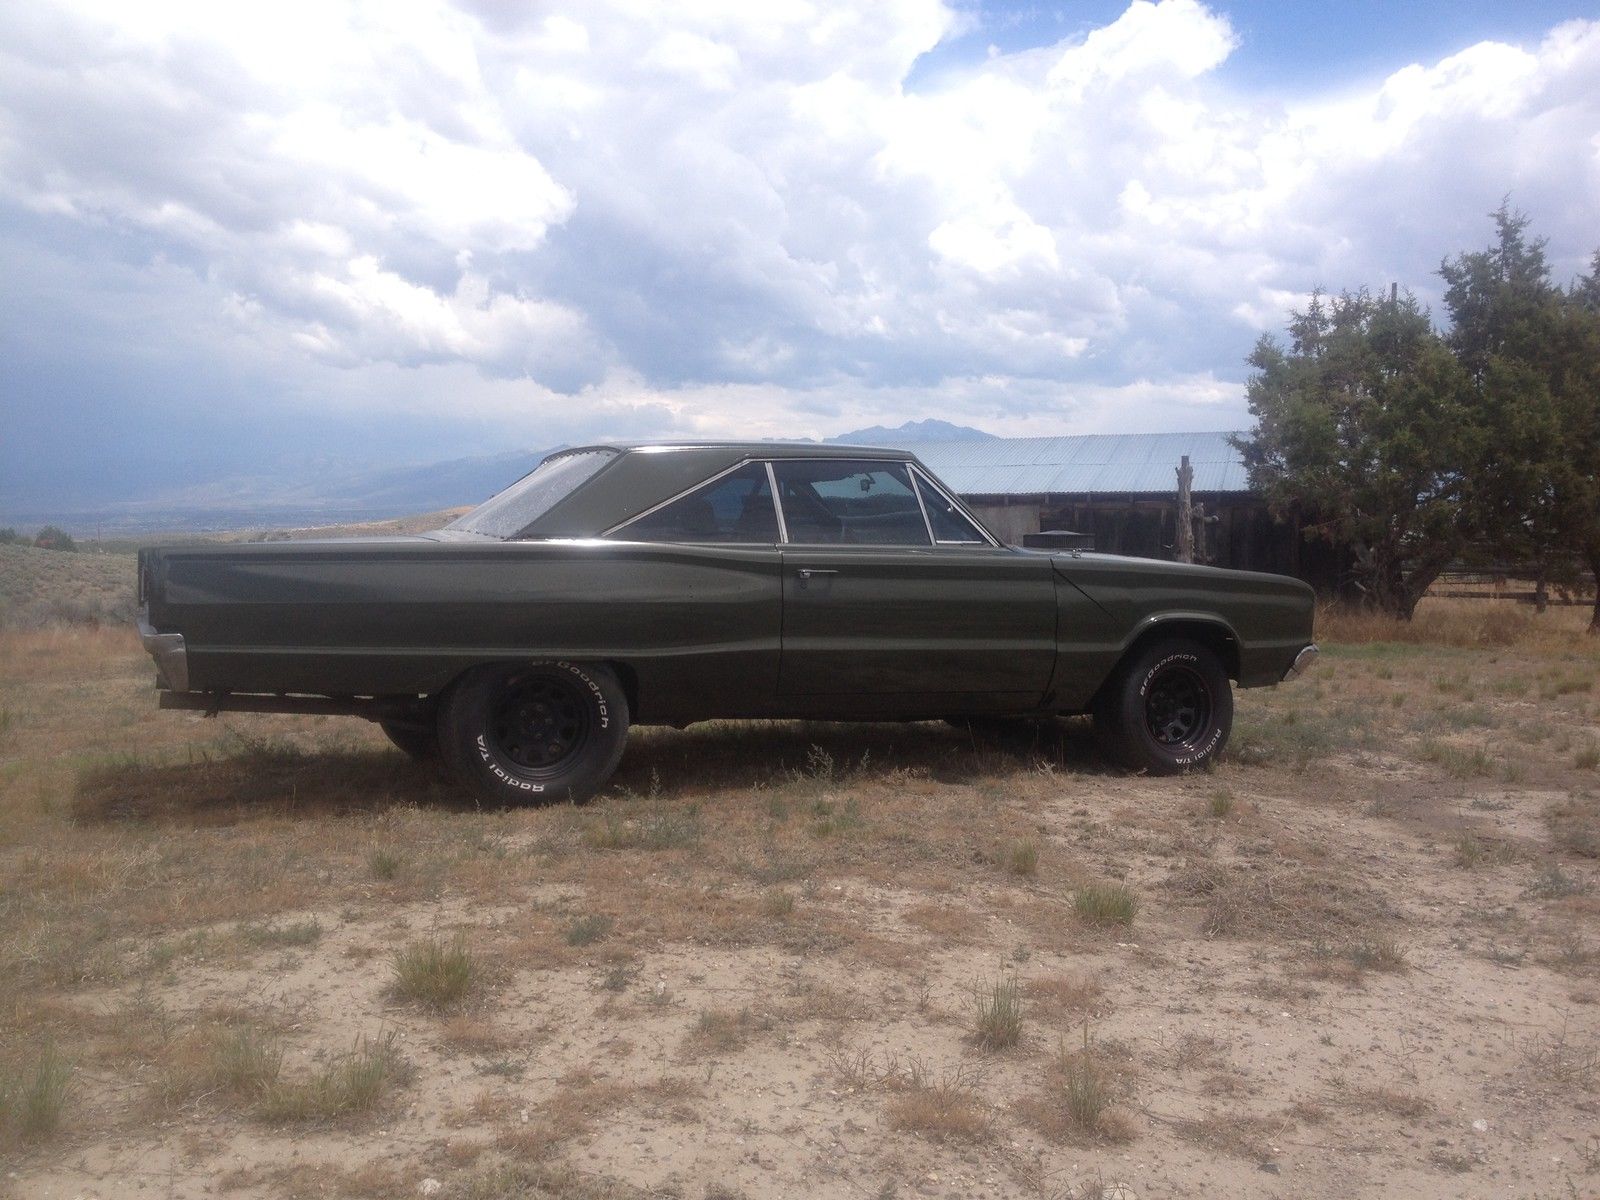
1167,709
535,733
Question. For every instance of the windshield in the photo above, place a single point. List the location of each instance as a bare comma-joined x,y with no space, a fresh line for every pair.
509,512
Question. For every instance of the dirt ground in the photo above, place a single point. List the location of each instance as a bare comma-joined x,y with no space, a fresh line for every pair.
264,957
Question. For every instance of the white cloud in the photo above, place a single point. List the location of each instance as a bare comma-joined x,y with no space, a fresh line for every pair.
723,217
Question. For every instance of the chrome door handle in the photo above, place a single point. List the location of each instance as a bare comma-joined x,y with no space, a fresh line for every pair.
813,572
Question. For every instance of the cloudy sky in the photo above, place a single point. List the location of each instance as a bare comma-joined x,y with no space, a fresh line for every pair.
237,239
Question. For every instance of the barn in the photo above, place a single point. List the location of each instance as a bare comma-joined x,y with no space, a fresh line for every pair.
1121,490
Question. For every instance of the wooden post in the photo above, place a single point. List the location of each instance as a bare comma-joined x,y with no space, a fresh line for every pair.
1185,512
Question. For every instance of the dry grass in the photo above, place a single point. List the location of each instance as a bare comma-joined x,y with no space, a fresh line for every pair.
1575,824
780,889
1473,850
33,1096
588,929
1294,895
942,1108
1065,996
354,1085
1105,904
1348,961
1243,1135
724,1031
436,974
1022,858
1081,1098
44,588
998,1023
238,1062
1390,1101
1438,622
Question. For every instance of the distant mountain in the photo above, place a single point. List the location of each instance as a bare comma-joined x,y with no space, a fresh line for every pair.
330,496
930,430
397,490
265,501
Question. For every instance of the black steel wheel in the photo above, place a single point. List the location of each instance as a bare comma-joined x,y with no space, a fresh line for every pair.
535,733
1177,706
538,720
1167,708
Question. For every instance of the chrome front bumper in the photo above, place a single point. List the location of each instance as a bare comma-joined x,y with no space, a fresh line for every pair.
1302,663
172,661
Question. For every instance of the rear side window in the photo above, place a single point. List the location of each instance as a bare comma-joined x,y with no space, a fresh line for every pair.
508,513
735,508
849,503
949,523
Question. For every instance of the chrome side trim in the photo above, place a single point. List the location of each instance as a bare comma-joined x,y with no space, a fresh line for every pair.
922,476
1302,663
172,660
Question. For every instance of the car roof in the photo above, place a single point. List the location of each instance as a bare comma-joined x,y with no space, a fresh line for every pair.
743,449
644,474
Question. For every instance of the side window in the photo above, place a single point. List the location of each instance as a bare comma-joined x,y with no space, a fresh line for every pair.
849,503
949,523
735,508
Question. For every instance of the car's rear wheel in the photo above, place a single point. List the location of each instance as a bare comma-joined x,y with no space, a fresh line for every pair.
535,733
1167,709
417,739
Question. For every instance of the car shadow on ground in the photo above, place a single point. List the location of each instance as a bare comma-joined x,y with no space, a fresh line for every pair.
720,755
263,782
283,780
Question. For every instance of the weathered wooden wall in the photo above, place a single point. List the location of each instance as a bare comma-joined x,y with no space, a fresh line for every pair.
1242,535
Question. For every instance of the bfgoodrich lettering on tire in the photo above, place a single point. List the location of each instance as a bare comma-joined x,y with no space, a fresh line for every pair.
1166,709
535,733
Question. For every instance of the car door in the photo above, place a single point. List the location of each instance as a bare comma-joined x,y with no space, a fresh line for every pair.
701,597
874,605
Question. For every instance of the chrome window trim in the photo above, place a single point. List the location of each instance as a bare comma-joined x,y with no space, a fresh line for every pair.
918,475
777,503
988,538
909,466
689,491
911,476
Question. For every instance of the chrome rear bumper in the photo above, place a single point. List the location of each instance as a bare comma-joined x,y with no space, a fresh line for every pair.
1302,663
172,661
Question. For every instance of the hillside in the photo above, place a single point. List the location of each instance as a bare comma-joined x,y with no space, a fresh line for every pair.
47,587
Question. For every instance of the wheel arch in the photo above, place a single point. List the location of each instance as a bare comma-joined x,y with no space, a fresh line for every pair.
626,675
629,679
1208,629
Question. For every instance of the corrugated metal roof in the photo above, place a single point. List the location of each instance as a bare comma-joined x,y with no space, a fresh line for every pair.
1093,462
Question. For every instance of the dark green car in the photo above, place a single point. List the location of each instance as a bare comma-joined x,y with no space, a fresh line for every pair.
664,584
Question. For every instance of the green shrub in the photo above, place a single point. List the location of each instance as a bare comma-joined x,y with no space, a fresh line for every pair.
1105,904
1023,858
32,1100
587,930
354,1084
435,974
54,538
999,1024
